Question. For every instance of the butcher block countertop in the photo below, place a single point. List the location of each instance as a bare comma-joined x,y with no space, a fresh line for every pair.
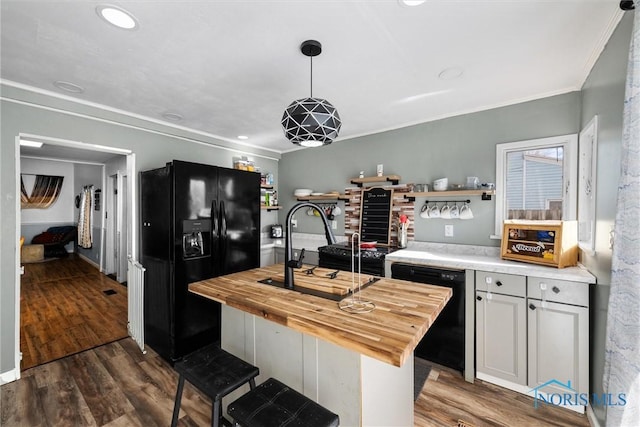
403,312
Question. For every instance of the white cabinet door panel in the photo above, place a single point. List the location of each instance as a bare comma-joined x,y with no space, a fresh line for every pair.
558,345
501,334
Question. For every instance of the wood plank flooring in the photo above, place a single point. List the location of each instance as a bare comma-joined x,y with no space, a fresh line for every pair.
116,385
64,310
447,400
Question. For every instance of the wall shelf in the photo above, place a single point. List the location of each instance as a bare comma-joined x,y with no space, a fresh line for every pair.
270,208
323,197
485,194
394,179
266,187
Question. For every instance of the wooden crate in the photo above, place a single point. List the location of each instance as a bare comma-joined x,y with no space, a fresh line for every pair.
552,243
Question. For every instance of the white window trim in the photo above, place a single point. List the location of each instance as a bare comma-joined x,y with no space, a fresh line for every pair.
570,173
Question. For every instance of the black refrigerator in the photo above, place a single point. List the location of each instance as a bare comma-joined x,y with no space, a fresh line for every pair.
198,222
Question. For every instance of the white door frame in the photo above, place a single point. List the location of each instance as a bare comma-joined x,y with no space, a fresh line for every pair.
111,223
116,248
131,193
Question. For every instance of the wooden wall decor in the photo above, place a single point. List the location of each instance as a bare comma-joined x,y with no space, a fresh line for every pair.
401,206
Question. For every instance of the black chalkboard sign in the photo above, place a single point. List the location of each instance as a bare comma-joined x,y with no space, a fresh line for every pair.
375,215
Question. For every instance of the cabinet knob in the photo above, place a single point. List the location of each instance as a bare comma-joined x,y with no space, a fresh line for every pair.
555,289
532,307
498,283
479,298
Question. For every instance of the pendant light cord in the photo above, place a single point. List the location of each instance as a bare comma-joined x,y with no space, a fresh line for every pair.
311,84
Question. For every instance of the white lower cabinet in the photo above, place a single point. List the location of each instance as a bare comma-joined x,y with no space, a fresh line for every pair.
558,339
501,328
501,334
533,339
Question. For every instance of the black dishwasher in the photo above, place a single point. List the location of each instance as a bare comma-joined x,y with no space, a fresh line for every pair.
444,341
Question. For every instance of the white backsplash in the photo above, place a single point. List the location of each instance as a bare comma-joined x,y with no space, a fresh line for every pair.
450,248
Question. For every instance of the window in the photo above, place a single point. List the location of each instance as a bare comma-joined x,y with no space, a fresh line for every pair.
535,180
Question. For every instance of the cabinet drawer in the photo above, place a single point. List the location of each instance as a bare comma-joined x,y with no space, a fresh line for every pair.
500,283
561,291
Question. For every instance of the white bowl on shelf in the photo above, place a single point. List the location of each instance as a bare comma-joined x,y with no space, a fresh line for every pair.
441,184
302,192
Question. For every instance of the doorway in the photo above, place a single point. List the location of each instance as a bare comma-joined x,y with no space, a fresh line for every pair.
78,152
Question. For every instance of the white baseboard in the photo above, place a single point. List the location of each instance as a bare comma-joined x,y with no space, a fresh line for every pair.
89,260
9,376
591,417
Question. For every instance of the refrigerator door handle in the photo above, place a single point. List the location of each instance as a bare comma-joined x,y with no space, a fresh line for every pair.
223,235
215,238
214,217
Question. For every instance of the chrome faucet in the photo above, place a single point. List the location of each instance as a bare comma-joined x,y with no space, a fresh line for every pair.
289,262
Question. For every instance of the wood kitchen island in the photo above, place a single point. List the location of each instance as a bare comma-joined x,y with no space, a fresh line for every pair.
360,366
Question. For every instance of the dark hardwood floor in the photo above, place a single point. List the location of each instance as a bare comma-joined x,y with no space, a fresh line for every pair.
66,317
64,310
116,385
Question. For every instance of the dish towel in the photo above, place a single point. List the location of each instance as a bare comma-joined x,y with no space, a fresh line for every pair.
85,237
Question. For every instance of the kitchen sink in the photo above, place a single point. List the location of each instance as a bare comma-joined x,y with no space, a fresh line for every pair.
315,292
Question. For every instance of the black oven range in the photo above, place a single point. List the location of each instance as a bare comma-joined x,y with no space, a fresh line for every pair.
338,256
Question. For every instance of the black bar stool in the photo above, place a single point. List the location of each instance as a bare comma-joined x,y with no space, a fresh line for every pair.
274,404
215,373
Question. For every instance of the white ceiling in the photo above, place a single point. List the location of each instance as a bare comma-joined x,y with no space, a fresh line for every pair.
231,67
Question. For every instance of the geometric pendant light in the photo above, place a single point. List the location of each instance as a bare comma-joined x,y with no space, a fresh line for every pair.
311,122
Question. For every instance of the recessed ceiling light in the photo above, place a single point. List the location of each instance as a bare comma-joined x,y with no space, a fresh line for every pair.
174,117
411,2
450,73
243,137
117,16
27,143
68,86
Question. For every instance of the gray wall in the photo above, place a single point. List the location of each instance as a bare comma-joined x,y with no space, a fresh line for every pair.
153,145
603,94
456,147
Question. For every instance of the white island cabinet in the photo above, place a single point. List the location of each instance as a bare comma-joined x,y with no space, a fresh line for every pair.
363,391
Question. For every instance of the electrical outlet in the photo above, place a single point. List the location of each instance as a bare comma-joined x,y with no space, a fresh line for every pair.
448,230
334,225
294,223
